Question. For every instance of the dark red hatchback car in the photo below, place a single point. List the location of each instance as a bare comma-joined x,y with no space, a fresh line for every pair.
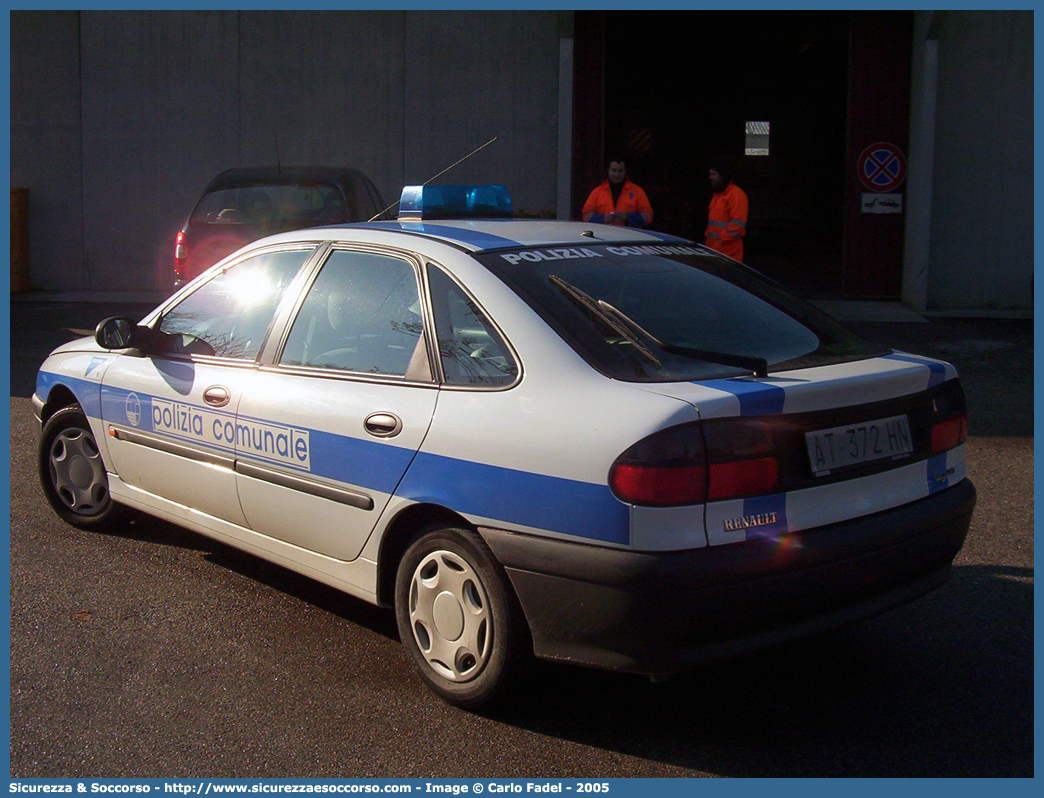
243,205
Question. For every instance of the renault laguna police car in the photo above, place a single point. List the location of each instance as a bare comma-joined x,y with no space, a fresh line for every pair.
597,445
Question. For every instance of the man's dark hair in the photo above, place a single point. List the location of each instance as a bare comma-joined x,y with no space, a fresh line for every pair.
617,158
724,166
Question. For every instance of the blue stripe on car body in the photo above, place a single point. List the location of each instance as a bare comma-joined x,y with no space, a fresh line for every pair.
772,508
937,370
538,501
87,393
487,241
938,473
355,461
665,237
368,464
463,235
755,398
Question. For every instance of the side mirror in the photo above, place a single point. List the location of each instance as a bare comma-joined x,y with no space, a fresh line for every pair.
114,332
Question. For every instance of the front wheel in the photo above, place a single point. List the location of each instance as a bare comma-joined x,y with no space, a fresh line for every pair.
457,617
72,473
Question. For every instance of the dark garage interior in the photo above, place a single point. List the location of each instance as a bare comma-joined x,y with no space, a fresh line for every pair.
680,88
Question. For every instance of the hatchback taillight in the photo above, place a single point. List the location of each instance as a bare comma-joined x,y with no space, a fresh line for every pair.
742,478
741,457
667,469
950,425
690,463
661,486
949,434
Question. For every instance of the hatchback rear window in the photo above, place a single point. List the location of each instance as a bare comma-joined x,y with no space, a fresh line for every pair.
311,203
644,313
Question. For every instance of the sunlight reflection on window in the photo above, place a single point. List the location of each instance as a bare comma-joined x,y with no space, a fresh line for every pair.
250,289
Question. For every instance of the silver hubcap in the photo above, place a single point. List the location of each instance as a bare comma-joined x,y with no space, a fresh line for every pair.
450,616
77,472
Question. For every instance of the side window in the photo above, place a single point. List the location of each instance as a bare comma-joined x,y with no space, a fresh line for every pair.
471,350
230,315
362,313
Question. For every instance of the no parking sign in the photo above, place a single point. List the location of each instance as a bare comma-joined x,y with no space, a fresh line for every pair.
882,167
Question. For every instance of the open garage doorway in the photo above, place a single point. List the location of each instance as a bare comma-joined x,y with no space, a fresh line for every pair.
768,88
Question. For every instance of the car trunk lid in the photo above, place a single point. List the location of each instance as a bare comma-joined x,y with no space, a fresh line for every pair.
845,440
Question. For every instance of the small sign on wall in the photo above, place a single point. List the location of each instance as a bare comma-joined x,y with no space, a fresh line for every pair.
882,167
882,203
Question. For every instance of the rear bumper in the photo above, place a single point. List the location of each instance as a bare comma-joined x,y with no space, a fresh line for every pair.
658,613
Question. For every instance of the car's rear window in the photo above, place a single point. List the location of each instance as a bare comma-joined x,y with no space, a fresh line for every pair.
623,307
310,203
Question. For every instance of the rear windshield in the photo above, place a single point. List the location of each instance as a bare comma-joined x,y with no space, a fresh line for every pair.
310,203
636,312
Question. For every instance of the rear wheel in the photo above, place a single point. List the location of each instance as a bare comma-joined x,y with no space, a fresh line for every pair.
72,473
457,617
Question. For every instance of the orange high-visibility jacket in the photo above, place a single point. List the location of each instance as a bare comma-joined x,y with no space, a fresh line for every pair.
727,221
632,201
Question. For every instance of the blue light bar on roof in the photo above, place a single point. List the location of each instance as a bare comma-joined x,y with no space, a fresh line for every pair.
454,202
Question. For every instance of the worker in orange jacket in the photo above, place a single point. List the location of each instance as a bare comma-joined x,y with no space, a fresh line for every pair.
727,215
618,201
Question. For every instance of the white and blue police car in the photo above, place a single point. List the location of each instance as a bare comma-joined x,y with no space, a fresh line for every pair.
594,444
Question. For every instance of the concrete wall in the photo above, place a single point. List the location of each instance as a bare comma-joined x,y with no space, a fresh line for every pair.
143,108
475,75
46,143
161,116
979,247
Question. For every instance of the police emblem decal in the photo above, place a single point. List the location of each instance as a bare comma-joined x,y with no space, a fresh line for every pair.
133,408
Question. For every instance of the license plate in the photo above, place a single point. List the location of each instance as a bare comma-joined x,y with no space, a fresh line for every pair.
853,444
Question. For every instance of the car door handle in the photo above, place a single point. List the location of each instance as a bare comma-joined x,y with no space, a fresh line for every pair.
216,396
383,425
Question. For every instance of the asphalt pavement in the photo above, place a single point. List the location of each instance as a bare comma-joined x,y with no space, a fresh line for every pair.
156,652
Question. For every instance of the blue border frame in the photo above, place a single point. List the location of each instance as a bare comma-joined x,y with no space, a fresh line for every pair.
618,786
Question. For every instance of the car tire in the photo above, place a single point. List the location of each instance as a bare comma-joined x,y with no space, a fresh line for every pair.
73,474
458,618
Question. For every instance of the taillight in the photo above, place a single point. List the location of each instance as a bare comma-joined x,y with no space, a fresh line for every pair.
741,457
667,469
742,478
659,485
950,428
949,434
725,459
180,251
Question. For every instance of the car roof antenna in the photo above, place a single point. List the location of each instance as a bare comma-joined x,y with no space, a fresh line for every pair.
279,165
440,174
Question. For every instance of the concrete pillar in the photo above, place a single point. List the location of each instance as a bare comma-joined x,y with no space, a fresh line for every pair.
921,172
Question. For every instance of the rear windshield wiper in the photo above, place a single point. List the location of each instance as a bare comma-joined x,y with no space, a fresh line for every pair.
757,365
588,302
620,321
